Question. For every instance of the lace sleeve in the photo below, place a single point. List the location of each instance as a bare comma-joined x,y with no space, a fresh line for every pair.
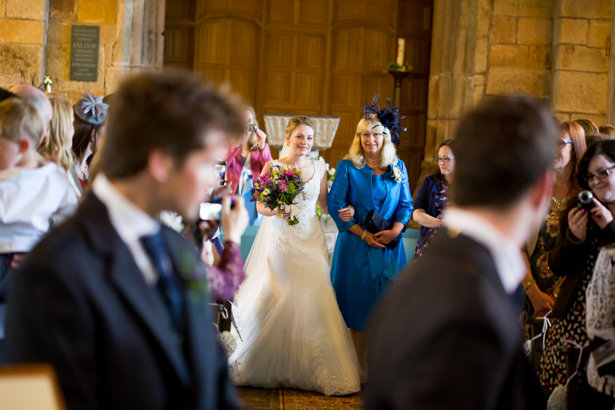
601,313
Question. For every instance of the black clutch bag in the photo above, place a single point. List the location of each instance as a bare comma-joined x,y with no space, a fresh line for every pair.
375,223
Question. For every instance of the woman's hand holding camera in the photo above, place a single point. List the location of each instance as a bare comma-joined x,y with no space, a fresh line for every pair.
577,222
600,214
234,220
261,138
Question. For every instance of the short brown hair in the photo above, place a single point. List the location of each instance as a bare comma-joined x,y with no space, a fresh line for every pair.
504,146
607,129
173,111
18,120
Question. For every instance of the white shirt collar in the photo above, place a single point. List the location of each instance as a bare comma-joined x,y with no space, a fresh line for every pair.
130,222
506,254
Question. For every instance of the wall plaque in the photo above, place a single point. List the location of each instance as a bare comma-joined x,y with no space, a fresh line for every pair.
84,53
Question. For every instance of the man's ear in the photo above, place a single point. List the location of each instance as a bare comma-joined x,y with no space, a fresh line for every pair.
24,145
160,164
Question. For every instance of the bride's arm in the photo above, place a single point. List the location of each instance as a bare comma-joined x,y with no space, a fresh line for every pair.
322,197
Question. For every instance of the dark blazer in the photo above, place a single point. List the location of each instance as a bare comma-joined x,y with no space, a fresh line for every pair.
570,257
447,336
80,303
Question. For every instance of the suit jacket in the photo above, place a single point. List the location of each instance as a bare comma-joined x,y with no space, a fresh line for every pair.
447,336
80,303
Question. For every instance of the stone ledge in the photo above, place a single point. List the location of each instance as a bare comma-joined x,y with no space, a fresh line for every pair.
21,31
586,8
534,31
573,31
512,80
599,32
503,30
582,58
527,8
25,9
581,92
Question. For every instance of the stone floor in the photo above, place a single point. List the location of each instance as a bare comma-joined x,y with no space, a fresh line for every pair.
287,399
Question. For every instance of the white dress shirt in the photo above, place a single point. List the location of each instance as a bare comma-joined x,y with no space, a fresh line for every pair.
28,199
130,222
506,254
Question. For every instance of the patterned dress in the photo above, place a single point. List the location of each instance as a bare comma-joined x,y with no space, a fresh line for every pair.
548,238
570,326
441,203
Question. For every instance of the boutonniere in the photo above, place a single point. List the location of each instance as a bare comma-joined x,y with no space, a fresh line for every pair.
397,175
193,274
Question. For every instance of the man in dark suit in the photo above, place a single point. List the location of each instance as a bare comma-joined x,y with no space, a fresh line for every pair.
447,334
115,302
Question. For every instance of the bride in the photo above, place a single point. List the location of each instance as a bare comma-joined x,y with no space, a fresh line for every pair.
294,334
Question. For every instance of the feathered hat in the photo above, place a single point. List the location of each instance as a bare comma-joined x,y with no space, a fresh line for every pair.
91,109
388,117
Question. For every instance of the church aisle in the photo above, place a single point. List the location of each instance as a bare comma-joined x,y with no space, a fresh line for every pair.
288,399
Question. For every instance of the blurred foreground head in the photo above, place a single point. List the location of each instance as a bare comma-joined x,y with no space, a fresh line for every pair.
176,113
504,147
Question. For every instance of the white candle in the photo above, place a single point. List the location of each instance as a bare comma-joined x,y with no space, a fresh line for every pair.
401,45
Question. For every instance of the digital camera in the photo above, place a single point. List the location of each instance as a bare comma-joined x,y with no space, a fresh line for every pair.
586,201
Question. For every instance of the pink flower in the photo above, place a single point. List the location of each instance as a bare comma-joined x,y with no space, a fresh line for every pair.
282,186
289,173
266,176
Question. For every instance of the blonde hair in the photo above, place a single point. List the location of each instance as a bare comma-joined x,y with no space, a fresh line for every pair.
57,143
294,122
388,155
19,120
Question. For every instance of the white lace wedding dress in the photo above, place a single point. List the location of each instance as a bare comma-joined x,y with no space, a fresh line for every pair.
294,334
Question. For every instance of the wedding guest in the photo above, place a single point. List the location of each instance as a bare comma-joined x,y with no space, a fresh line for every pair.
371,177
591,139
37,99
56,146
90,129
245,162
446,335
584,233
607,130
117,304
30,194
432,197
542,286
589,127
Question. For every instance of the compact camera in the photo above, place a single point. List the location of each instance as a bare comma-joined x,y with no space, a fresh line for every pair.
586,201
253,128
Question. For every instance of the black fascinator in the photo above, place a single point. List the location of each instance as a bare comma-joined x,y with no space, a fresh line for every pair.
388,117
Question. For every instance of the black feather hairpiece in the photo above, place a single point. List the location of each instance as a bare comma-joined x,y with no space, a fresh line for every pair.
388,117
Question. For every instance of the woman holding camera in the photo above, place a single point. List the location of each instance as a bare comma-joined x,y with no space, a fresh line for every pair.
245,162
587,227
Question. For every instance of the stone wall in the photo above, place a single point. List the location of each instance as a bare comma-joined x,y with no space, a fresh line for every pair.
35,38
555,49
22,28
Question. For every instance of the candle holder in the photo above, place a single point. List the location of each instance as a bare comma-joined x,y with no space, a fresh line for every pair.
398,75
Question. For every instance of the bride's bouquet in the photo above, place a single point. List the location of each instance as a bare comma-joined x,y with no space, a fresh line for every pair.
278,189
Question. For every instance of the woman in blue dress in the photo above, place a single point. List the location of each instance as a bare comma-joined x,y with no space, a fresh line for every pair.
371,177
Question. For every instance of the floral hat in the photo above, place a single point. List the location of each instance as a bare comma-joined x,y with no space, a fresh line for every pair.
388,117
91,109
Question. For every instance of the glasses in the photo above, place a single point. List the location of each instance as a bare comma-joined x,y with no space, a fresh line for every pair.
561,144
444,159
600,175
